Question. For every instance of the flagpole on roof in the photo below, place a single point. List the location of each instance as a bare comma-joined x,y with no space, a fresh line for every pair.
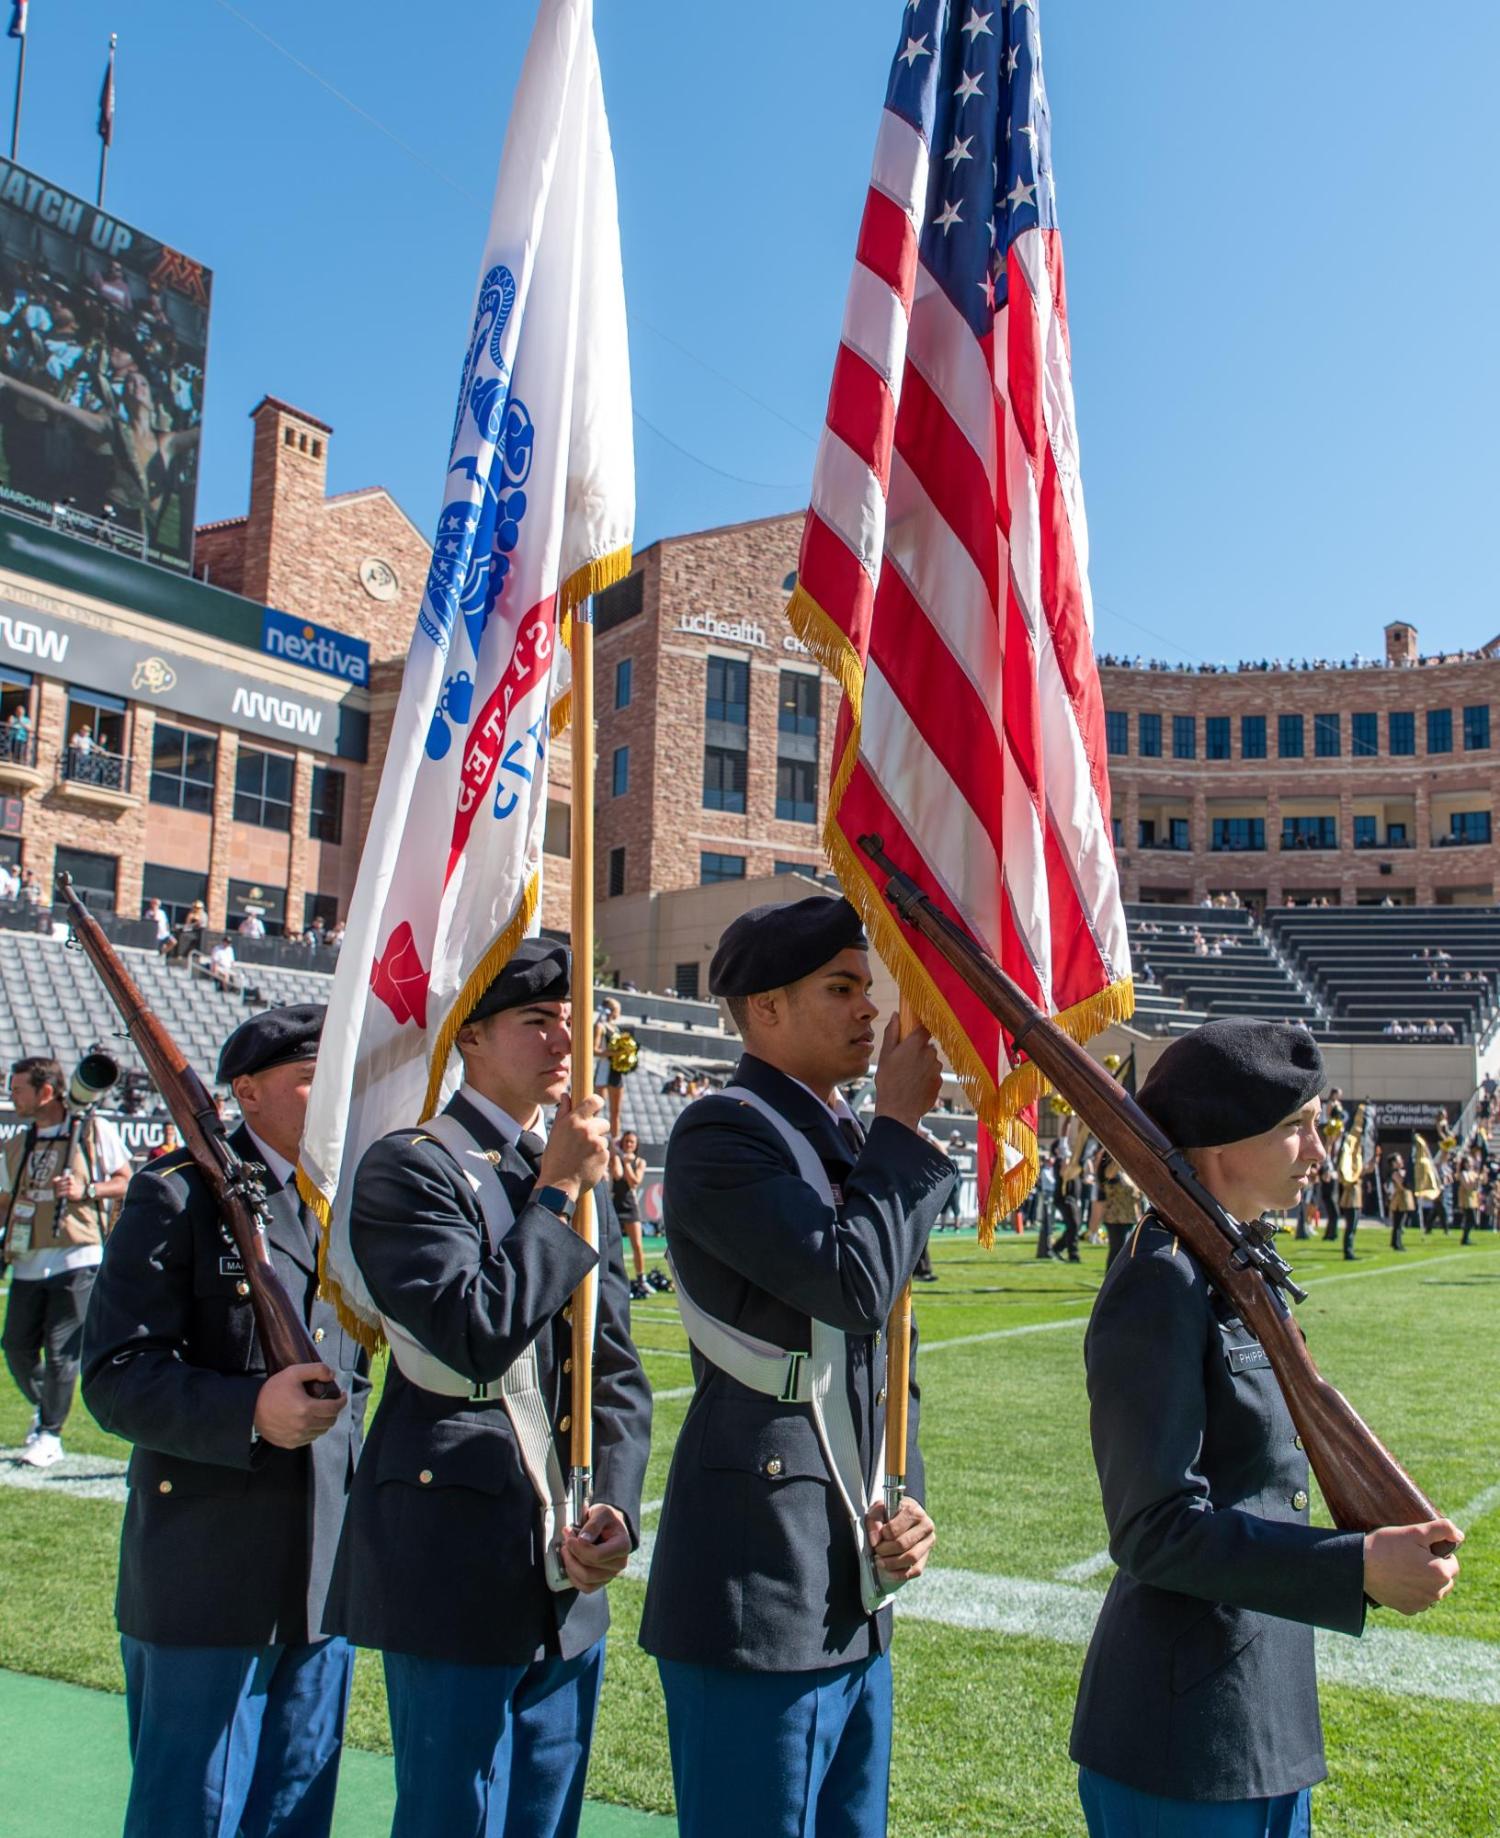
586,1296
106,123
18,30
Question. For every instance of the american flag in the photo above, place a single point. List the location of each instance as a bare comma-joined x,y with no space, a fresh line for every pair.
106,122
17,27
944,566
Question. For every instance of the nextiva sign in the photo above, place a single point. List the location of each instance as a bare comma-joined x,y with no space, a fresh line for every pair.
315,647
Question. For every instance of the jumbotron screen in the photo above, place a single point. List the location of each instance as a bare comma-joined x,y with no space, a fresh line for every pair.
103,340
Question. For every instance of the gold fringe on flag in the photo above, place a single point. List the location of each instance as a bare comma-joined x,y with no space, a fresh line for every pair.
592,578
997,1107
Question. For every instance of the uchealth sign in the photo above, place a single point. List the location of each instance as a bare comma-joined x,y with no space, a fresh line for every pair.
133,667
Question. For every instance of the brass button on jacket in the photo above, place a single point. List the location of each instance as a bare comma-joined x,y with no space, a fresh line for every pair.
1299,1500
318,1333
425,1477
164,1487
565,1423
773,1465
242,1288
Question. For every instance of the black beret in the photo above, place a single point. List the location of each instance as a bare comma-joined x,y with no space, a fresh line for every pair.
272,1039
1231,1079
771,946
536,972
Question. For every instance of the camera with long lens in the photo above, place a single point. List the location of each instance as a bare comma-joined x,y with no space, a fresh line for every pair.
95,1075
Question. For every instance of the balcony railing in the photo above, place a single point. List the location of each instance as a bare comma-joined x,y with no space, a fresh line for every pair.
1309,842
1237,848
95,769
17,748
1460,842
1391,842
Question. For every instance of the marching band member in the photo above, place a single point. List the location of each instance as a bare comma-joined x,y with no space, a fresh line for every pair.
1198,1708
458,1561
792,1235
235,1692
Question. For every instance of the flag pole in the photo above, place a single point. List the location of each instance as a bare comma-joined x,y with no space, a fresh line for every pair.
586,1296
898,1366
15,120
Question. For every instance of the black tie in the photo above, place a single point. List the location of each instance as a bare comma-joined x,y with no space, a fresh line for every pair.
529,1147
310,1224
853,1135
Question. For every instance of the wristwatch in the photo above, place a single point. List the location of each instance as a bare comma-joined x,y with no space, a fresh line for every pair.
555,1201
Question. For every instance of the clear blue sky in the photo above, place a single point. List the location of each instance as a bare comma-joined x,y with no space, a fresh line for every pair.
1280,241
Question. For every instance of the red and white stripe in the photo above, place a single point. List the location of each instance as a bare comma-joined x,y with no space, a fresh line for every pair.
946,544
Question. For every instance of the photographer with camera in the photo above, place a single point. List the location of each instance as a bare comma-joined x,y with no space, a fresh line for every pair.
56,1178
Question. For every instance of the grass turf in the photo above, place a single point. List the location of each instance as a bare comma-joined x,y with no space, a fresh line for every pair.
982,1718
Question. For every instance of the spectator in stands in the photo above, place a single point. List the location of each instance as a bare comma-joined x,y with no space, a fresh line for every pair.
336,937
251,926
609,1084
169,1144
18,733
82,743
675,1087
10,883
31,888
221,963
317,933
1429,1029
187,936
155,916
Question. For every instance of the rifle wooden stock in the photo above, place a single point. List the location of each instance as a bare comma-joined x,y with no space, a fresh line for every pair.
284,1338
1363,1483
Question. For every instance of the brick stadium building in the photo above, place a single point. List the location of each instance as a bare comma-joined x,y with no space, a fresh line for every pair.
231,755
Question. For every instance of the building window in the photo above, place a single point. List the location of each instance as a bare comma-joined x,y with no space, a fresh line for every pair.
619,772
1366,832
95,730
1117,731
715,867
724,779
17,725
1463,826
1252,737
616,872
1184,737
1289,736
267,903
95,877
1148,736
808,868
263,789
182,768
324,906
685,981
1440,730
1477,728
1237,833
557,833
1401,731
1326,740
799,703
1309,833
1216,737
797,790
1177,832
1364,735
616,604
624,676
728,696
176,888
325,816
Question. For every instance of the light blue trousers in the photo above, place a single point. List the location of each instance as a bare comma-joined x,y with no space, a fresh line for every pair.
1114,1810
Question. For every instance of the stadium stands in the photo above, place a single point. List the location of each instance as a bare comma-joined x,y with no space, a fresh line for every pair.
1195,962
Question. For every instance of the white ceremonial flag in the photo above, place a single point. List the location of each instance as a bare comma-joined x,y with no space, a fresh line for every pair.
538,513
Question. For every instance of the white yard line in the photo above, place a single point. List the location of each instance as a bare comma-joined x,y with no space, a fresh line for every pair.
85,1477
1387,1659
1478,1507
1089,1567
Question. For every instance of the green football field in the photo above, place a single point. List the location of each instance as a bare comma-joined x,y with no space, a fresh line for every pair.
988,1645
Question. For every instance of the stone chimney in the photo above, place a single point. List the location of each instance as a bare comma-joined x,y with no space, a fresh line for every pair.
288,481
1400,643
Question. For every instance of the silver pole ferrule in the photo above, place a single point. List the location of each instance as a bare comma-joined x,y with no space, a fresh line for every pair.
895,1493
580,1494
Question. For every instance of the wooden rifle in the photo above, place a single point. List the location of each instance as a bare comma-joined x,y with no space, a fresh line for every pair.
237,1190
1363,1483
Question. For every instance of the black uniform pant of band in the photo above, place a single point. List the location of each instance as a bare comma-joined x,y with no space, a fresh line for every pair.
43,1339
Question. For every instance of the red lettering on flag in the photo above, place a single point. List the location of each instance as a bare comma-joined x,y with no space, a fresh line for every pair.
399,979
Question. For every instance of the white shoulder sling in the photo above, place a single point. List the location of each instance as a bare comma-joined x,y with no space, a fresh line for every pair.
817,1378
519,1387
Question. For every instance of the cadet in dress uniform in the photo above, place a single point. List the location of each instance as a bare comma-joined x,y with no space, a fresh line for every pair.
1198,1709
234,1691
458,1561
791,1236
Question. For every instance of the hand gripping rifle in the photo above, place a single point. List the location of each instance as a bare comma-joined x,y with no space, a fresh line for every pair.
1363,1483
238,1193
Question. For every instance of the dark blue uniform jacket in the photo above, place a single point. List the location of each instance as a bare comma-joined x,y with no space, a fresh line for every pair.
442,1553
1199,1681
754,1566
226,1542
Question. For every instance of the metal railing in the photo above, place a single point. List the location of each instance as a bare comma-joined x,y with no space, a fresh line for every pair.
95,767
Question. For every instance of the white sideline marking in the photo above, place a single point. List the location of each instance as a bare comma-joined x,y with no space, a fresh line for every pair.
1081,1572
85,1477
1387,1659
1478,1507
